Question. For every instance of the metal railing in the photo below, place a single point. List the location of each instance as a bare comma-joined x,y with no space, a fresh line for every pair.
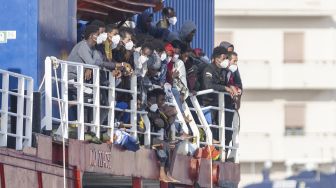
57,72
88,96
21,127
221,123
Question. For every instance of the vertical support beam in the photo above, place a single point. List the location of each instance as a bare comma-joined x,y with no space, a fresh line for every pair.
39,179
221,123
29,112
192,124
96,102
48,94
111,103
136,182
77,177
80,102
4,109
19,117
2,176
235,137
148,130
134,106
64,97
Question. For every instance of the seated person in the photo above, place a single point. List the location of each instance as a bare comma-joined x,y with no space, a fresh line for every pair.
161,117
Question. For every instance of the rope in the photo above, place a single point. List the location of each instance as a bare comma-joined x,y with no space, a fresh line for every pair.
60,106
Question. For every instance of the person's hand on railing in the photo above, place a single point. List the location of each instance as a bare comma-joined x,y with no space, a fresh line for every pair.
127,69
116,73
230,91
234,91
88,74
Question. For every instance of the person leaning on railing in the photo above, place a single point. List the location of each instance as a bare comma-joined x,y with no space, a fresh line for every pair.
85,52
213,78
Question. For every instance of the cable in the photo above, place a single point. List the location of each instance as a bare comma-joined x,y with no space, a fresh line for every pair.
60,106
40,87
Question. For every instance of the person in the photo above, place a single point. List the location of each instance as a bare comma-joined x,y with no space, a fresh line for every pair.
233,58
187,32
111,42
141,55
105,49
144,24
124,50
230,48
100,24
215,77
159,50
161,117
168,18
176,72
85,52
212,75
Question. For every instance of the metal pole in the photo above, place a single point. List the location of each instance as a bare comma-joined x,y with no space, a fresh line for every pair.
55,66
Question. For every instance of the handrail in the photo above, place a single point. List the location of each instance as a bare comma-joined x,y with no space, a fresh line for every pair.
95,125
24,112
221,125
97,108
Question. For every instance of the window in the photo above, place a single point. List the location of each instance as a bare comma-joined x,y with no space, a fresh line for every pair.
294,119
293,47
223,36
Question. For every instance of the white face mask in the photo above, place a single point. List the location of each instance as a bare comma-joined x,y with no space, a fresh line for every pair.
224,63
114,45
233,68
176,57
115,39
172,20
153,108
163,56
101,38
129,45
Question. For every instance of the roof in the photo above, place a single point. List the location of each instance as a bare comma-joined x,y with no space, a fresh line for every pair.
113,10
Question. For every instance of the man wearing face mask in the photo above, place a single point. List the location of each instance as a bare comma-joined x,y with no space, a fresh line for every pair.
124,50
230,48
85,52
212,74
141,55
111,42
159,50
168,18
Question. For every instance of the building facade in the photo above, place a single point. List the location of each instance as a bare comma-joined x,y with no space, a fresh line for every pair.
287,60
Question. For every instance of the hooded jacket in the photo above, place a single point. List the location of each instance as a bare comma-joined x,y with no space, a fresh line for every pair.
186,28
226,45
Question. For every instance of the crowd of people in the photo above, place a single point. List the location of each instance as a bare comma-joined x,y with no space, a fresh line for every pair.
157,56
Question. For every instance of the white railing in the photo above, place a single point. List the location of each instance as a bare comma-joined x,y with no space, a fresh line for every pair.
55,67
221,123
24,108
